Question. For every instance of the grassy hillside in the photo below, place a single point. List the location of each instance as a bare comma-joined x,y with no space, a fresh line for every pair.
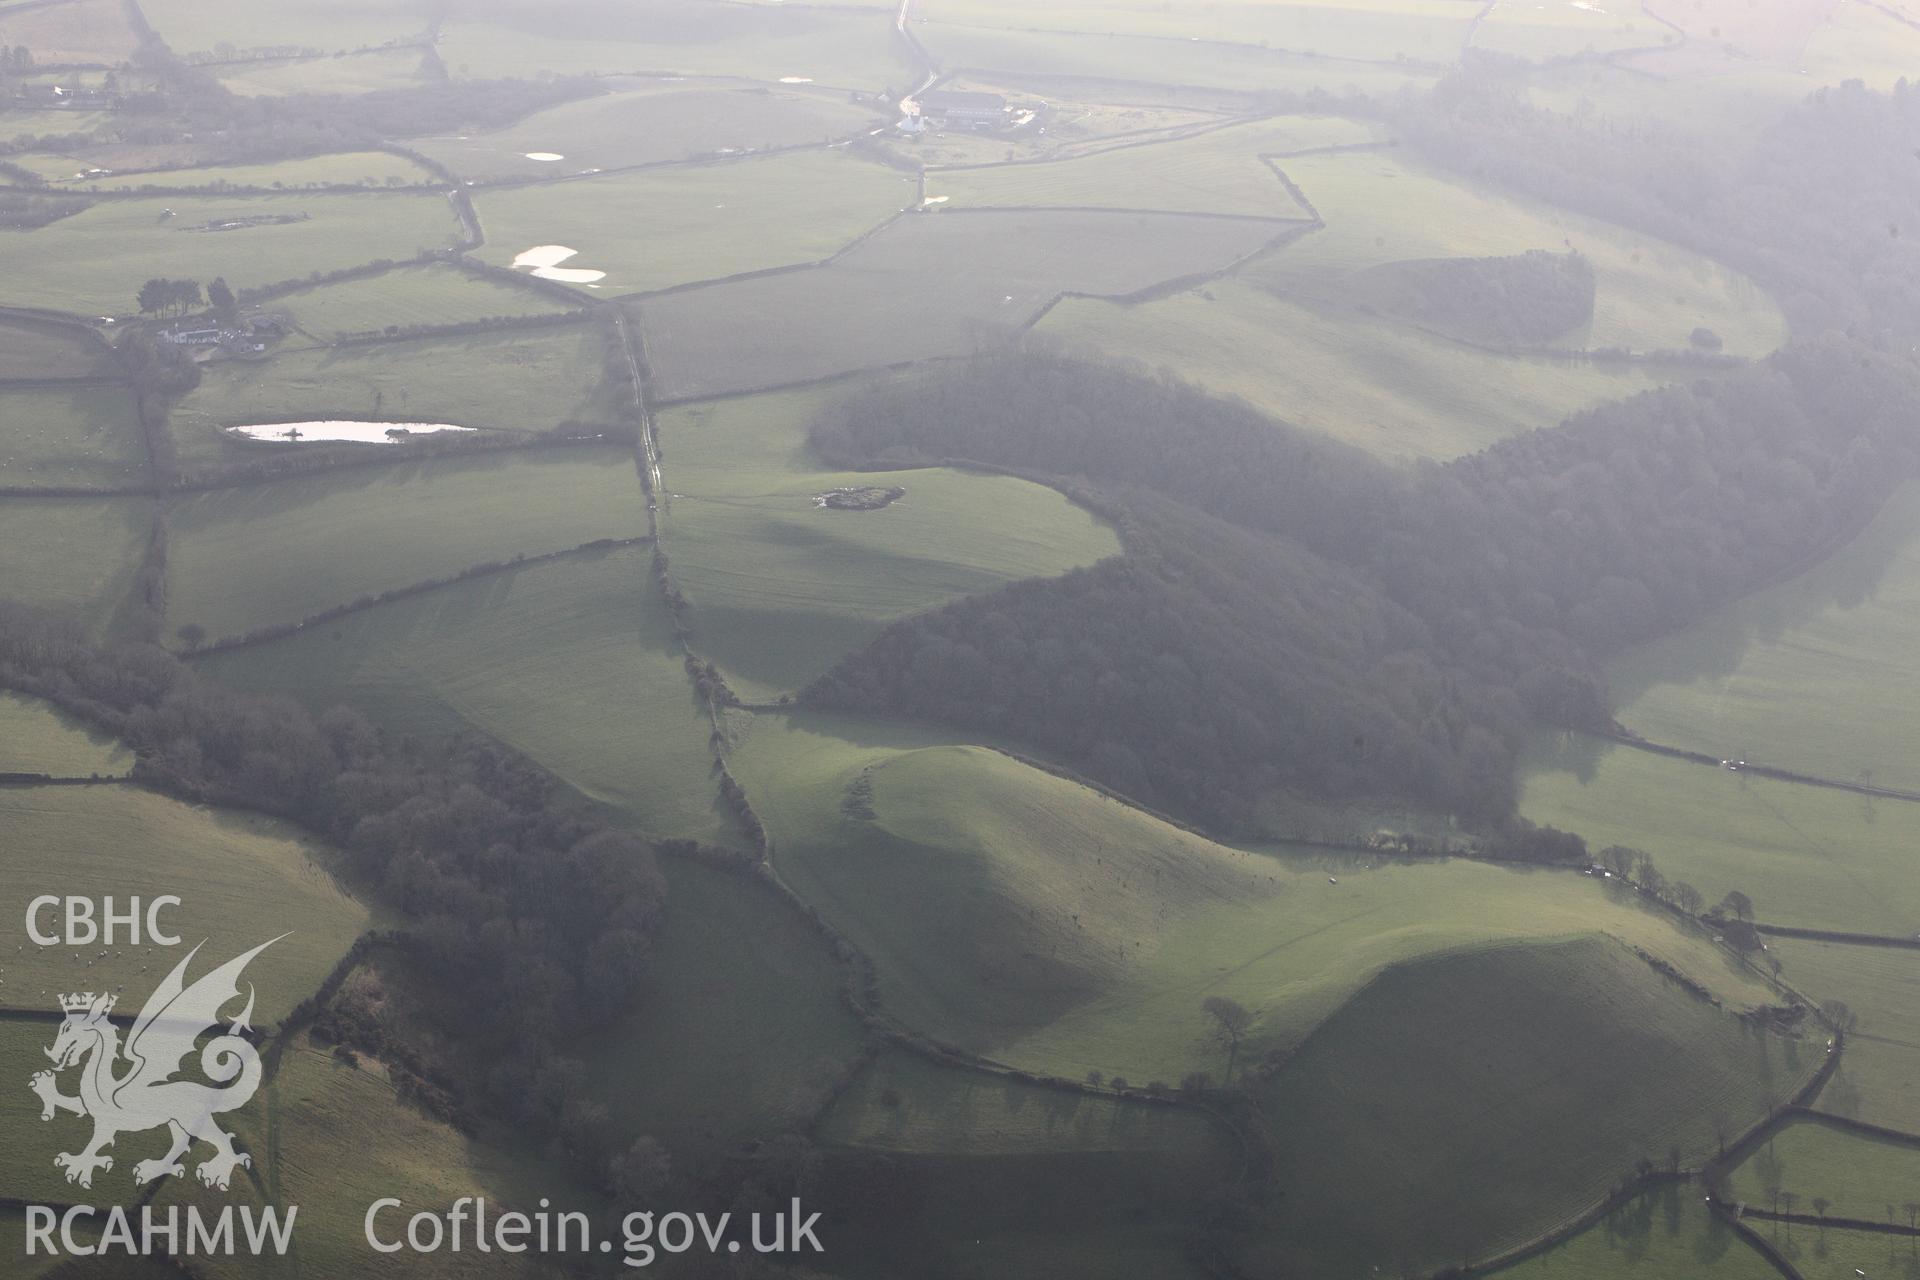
662,227
741,1031
1463,1103
31,351
1807,856
345,169
1387,387
1382,208
249,557
1814,674
77,554
652,125
571,662
1033,920
241,880
78,437
36,737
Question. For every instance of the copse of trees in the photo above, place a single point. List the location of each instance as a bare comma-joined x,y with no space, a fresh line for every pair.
535,919
1344,625
159,297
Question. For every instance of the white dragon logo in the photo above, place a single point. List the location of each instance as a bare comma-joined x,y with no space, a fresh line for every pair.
145,1096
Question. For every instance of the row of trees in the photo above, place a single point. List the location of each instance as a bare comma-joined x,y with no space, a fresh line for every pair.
161,297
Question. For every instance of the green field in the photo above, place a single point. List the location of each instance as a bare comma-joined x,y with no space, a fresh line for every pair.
783,588
944,284
37,737
1430,31
1859,1177
665,227
84,436
438,294
1545,33
741,1031
1221,171
571,662
82,31
1462,1104
349,169
1390,388
249,557
990,1177
1023,916
1845,1255
31,351
332,1139
241,879
339,73
77,554
318,26
661,122
1382,207
525,381
1664,1235
1177,63
1807,856
93,263
1879,1076
1816,674
844,48
30,123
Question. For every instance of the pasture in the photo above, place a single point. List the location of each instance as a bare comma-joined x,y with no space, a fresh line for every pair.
570,662
77,555
741,1030
663,227
1393,389
532,381
1807,856
1863,42
1845,1255
1816,674
341,169
1024,916
37,737
241,879
1181,65
1384,207
27,1171
1220,171
991,1177
350,73
83,436
844,48
1879,1076
249,557
38,352
1550,33
87,32
234,27
440,293
1388,31
93,262
655,124
1664,1235
783,588
930,285
1464,1103
333,1138
1858,1176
